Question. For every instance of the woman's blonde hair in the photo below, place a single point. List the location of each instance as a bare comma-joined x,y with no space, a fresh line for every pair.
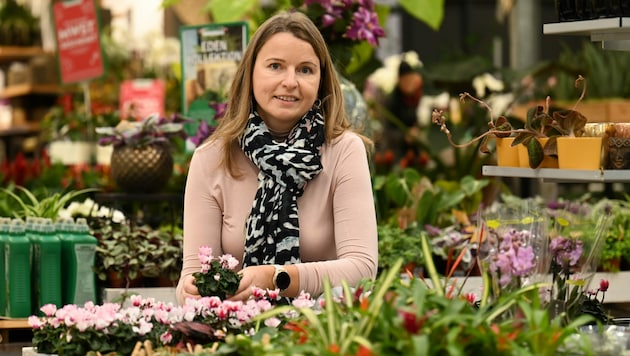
241,97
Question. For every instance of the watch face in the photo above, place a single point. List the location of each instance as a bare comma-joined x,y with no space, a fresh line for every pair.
283,280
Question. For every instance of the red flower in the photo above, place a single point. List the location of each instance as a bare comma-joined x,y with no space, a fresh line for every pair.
603,285
363,351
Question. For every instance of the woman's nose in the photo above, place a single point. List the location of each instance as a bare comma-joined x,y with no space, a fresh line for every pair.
290,79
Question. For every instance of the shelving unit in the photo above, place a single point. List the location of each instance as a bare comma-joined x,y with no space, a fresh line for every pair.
15,91
614,33
560,175
28,101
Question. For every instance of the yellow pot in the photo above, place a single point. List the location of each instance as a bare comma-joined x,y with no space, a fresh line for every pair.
507,156
547,162
580,153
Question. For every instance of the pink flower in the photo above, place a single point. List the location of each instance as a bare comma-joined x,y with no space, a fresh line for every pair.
35,322
48,309
166,337
603,285
272,322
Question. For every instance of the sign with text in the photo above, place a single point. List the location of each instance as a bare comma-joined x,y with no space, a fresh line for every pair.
210,57
140,98
78,41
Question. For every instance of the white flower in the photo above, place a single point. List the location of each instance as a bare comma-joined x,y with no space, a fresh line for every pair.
500,103
386,77
486,81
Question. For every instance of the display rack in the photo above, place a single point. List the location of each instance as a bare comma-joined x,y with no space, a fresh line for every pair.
560,175
614,33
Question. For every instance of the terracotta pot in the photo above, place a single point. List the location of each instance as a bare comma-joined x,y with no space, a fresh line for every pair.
580,153
116,281
507,156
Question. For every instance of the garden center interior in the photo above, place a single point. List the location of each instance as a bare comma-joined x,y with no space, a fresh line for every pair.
72,71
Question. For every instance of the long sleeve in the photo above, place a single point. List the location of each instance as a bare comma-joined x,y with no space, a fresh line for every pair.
338,236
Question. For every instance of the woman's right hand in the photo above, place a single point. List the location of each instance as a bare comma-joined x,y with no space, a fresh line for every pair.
189,289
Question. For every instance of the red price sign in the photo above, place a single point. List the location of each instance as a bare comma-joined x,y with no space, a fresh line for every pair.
78,40
142,97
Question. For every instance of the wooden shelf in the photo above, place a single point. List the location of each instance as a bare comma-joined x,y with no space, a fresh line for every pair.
13,53
560,175
27,89
7,324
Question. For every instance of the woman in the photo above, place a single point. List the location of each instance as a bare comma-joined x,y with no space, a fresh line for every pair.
282,184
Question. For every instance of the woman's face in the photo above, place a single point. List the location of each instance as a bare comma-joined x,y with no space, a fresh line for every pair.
285,80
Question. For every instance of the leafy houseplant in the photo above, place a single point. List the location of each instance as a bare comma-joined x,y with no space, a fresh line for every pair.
44,207
142,161
127,253
151,130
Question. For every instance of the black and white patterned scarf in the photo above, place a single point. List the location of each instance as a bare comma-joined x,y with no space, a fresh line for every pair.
272,228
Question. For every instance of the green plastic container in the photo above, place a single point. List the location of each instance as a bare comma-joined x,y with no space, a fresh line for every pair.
17,254
46,264
5,227
78,253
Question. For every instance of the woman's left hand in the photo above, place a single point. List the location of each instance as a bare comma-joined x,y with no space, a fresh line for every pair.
253,276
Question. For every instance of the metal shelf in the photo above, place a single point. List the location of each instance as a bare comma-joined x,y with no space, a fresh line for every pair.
560,175
613,33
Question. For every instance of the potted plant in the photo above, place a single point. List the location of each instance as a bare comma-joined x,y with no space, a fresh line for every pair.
164,265
121,254
43,205
142,161
539,134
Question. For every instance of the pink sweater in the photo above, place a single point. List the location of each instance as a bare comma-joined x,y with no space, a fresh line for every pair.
338,236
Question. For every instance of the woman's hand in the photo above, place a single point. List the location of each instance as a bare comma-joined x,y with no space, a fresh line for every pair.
189,288
253,276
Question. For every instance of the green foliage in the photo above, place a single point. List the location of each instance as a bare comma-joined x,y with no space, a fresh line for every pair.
133,251
46,206
395,243
397,316
430,12
605,70
617,245
405,198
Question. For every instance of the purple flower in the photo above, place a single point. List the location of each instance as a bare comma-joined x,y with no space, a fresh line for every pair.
566,251
365,26
515,256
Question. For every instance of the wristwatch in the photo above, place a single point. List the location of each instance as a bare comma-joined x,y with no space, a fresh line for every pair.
281,279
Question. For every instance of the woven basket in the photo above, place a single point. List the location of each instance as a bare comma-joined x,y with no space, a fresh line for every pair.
142,169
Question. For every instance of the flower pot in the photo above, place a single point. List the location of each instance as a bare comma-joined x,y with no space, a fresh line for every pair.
523,157
618,153
580,153
507,156
142,169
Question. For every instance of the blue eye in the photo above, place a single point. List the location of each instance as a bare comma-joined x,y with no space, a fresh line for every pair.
306,70
274,66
